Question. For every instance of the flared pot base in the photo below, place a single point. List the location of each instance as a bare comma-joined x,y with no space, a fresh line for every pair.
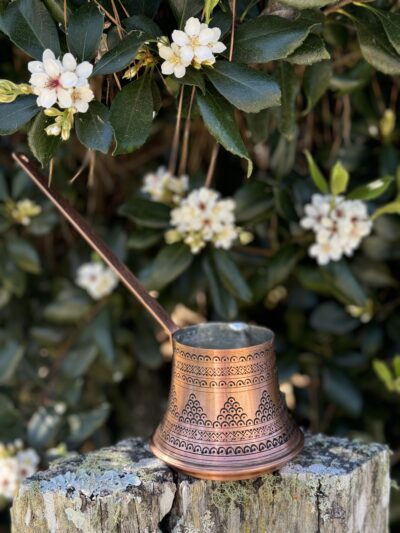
228,468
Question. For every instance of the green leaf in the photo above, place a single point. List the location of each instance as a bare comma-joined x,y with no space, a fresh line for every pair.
100,330
69,308
83,425
316,174
144,7
316,82
142,23
245,88
376,48
169,263
352,80
147,348
341,280
383,372
372,190
13,116
330,317
184,9
270,37
274,272
194,78
77,362
11,353
342,391
396,365
311,51
143,238
252,201
209,6
56,9
218,116
223,302
290,88
131,115
339,179
47,336
93,128
24,255
307,4
31,27
13,278
393,208
43,146
121,55
43,428
230,275
391,25
85,27
146,212
335,280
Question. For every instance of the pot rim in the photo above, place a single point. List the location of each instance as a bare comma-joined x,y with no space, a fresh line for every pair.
238,327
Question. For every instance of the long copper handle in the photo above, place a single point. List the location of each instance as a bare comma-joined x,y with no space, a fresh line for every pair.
95,241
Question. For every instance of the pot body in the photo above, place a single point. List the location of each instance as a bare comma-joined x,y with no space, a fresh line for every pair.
226,417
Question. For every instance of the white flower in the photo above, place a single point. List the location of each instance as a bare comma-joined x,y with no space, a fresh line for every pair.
174,62
339,226
23,211
55,81
8,477
97,279
201,218
326,249
196,45
50,81
81,96
163,187
28,461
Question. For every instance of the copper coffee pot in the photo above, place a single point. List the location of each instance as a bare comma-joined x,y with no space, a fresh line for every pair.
226,418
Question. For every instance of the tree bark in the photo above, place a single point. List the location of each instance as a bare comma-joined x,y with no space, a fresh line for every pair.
333,486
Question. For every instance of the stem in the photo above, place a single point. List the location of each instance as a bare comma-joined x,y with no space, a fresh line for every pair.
51,170
116,15
175,143
342,3
106,13
65,15
124,8
211,167
186,134
232,30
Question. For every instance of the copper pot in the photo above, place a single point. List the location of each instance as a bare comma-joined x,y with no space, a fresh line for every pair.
226,418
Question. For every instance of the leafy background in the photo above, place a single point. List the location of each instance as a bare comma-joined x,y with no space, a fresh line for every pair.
105,361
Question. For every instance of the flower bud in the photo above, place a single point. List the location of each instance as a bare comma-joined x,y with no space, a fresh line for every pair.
172,236
8,91
387,123
53,112
245,237
53,129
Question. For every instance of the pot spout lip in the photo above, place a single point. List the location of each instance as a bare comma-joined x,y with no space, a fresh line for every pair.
224,337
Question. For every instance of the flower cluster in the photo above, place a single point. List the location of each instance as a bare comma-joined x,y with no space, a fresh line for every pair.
97,279
201,218
62,82
23,211
339,226
15,465
195,46
162,186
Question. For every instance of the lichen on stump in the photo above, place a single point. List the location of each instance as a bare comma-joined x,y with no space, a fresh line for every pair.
334,485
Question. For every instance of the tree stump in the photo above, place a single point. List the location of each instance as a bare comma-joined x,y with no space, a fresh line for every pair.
334,485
